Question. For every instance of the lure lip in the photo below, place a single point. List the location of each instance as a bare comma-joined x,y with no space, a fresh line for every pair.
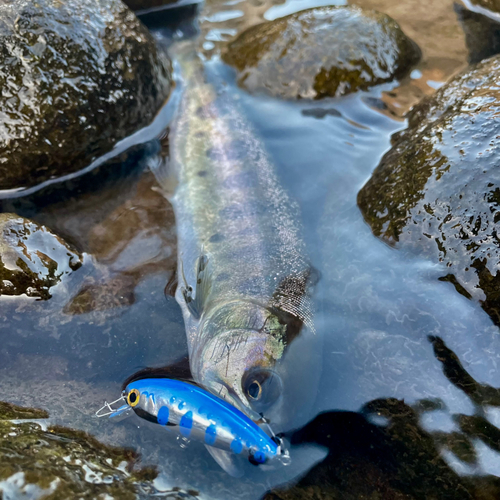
107,409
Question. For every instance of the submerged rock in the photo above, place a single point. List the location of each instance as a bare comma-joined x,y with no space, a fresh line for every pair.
77,76
57,462
32,259
437,191
321,52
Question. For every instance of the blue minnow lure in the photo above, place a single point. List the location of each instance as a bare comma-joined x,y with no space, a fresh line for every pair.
196,414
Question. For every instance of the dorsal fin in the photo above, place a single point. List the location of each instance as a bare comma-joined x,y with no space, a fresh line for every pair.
291,301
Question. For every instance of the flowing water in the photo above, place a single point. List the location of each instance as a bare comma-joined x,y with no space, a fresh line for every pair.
375,306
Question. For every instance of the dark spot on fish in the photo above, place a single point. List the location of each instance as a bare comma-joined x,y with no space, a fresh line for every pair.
199,135
213,153
321,112
200,112
202,173
216,238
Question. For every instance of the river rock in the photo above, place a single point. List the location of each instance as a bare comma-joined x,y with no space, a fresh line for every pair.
32,259
58,462
491,5
77,76
482,34
437,191
321,52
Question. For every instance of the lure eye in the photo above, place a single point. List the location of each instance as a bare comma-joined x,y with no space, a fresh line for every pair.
262,388
255,390
133,397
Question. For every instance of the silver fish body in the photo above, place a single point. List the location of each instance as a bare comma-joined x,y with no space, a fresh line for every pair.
244,277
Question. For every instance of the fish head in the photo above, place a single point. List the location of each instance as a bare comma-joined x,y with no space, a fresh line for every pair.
261,361
243,366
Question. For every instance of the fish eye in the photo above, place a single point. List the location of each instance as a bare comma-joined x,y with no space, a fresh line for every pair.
133,397
262,388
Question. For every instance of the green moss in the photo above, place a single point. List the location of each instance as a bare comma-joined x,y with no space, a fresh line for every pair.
66,463
9,411
296,56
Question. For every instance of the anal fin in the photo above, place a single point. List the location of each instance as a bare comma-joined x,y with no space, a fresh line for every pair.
227,460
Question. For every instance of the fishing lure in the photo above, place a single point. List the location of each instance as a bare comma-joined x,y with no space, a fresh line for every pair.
197,414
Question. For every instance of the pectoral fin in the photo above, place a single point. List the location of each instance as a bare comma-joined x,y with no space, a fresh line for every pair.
161,169
227,460
203,286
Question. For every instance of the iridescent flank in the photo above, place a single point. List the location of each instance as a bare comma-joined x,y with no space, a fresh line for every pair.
243,274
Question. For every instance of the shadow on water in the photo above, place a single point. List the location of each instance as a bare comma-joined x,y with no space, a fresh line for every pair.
386,451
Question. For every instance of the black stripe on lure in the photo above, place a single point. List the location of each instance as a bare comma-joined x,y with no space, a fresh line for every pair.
197,414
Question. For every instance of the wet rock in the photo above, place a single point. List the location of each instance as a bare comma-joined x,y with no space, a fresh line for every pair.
322,52
388,451
57,462
77,76
102,295
437,191
148,4
32,259
491,5
482,34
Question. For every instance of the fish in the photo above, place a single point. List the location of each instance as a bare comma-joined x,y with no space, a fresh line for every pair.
197,414
244,278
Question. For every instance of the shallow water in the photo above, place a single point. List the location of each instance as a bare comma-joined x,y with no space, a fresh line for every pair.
375,306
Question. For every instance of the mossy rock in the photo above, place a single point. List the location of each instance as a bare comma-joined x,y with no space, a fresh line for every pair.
77,76
321,52
60,463
437,191
32,259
